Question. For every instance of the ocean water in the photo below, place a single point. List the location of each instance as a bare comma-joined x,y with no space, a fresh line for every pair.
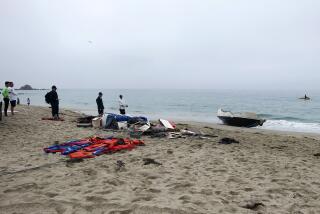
282,110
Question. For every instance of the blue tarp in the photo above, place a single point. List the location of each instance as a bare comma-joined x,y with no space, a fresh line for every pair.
121,118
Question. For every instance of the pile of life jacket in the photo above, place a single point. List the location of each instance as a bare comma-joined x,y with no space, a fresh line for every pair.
92,147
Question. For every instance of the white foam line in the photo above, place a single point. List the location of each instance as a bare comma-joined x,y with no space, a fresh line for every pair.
284,125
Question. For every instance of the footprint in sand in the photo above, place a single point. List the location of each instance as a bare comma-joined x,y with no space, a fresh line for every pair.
219,171
22,188
90,172
217,192
185,199
60,209
105,192
95,199
51,194
206,192
153,177
142,198
114,182
89,191
233,193
154,190
120,212
180,186
248,189
199,203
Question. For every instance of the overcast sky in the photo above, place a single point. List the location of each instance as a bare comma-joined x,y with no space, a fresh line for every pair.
232,44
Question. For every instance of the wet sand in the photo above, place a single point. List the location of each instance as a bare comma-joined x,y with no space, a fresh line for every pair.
267,172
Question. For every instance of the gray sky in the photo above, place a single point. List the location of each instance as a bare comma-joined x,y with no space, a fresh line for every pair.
161,44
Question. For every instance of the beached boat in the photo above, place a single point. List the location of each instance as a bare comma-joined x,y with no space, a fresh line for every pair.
245,119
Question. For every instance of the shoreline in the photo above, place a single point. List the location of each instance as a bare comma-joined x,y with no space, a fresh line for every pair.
294,120
255,130
279,171
220,125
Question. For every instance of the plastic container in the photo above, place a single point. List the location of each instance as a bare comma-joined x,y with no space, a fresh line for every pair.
96,122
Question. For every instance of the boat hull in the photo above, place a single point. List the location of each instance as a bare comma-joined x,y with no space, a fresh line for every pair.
241,122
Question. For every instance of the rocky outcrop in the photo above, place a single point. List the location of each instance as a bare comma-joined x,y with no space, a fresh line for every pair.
26,87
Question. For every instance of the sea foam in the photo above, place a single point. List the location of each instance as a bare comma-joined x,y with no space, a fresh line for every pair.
284,125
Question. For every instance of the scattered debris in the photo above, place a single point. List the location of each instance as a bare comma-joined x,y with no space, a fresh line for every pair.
204,138
202,134
52,118
138,126
84,125
169,125
278,147
148,161
187,132
175,135
227,140
87,119
159,135
169,151
96,122
253,205
71,162
119,165
207,127
182,124
135,134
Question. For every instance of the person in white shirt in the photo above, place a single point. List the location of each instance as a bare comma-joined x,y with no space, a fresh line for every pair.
12,97
122,105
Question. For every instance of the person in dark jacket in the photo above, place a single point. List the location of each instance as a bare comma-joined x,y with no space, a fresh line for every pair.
5,94
53,100
100,104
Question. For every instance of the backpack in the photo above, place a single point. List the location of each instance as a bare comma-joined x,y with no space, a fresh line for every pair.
48,97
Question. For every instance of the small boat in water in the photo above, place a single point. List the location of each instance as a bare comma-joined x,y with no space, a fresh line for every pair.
245,119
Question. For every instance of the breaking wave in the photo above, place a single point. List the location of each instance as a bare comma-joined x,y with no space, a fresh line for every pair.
284,125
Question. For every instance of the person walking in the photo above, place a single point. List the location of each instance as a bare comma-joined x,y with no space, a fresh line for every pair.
12,97
6,98
52,99
122,105
100,104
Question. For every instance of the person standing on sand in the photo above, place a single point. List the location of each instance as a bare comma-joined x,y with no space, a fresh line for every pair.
13,97
6,99
122,105
100,104
53,100
0,108
28,101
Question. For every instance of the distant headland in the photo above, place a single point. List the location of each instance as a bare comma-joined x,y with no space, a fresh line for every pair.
29,87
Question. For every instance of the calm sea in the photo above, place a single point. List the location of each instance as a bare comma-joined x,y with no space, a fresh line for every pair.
282,109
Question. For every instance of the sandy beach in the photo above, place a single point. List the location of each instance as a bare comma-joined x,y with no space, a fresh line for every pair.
267,172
